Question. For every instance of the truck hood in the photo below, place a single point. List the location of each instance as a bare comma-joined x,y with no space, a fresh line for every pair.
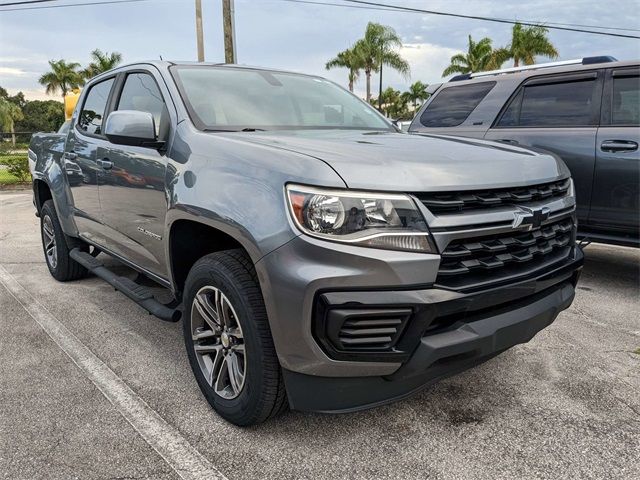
413,163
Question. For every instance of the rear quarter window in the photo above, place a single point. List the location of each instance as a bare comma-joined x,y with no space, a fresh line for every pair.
453,105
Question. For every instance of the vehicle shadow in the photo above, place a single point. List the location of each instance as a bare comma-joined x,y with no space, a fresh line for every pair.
611,266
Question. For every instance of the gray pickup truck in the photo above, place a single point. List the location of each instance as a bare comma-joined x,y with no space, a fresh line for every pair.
319,258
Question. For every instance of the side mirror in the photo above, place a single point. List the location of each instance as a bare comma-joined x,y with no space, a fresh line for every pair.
131,127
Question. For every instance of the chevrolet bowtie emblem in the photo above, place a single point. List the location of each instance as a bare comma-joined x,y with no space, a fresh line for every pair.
530,218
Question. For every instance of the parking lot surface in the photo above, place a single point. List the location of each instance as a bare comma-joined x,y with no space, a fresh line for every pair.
91,386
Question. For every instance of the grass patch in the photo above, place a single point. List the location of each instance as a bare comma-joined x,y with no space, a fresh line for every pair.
637,351
7,177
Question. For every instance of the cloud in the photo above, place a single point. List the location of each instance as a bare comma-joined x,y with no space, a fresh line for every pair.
34,94
11,72
427,60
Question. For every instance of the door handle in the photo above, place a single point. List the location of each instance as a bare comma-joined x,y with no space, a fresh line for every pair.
619,146
509,141
105,163
70,155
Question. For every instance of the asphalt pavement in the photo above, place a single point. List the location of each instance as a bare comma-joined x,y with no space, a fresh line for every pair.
91,386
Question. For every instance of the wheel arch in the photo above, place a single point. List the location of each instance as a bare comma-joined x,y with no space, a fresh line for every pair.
190,240
41,193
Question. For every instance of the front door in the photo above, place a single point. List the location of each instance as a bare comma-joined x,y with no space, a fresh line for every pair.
85,145
616,193
132,195
558,114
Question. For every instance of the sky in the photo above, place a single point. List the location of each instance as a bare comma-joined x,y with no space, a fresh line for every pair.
291,36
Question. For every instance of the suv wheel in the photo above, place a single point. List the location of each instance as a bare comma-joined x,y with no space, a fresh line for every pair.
57,245
228,339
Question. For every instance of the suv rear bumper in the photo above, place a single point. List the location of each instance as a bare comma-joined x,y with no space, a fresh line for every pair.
447,333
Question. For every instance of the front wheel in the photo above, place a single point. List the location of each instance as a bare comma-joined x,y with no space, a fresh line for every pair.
228,339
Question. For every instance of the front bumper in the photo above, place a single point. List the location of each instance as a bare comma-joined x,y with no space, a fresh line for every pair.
448,331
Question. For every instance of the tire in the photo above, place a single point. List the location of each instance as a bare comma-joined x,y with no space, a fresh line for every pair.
226,282
56,246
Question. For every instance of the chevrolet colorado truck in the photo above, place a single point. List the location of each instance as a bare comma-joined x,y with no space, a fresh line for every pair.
319,258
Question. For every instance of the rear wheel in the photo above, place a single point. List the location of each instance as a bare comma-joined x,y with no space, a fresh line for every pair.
57,245
228,339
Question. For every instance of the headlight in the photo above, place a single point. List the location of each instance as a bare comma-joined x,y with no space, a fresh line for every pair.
377,220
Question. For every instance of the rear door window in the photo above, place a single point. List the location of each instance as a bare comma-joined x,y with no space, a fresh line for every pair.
93,110
559,104
453,105
625,108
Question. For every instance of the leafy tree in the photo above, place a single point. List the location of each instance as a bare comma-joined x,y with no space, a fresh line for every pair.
64,77
417,93
9,114
349,59
377,49
480,57
393,103
41,116
101,62
526,44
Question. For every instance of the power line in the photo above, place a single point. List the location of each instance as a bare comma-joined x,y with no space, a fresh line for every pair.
24,2
397,8
105,2
489,19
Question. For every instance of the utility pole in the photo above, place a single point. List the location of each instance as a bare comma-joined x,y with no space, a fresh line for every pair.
228,23
199,39
380,86
380,90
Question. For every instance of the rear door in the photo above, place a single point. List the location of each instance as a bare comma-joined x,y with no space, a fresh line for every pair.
132,195
85,144
616,194
558,114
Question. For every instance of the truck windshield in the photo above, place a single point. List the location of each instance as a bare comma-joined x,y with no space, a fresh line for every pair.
234,99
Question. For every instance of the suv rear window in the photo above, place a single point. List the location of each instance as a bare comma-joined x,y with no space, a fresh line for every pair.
453,105
566,104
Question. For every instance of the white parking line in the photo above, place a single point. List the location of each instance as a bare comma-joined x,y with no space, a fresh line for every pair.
187,462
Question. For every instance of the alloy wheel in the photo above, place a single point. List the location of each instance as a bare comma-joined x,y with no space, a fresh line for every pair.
218,342
49,237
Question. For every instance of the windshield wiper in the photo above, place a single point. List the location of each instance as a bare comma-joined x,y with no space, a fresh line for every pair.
252,129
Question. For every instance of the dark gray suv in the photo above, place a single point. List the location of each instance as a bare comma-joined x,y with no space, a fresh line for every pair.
586,111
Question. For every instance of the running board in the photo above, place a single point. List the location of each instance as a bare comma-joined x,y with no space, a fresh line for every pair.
138,293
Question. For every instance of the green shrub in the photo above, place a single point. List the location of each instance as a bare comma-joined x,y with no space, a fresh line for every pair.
17,165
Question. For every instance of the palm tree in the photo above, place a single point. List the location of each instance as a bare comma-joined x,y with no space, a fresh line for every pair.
350,59
417,92
527,43
101,62
9,114
377,49
480,57
64,76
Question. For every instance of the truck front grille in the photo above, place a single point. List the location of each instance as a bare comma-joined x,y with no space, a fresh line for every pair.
455,202
475,262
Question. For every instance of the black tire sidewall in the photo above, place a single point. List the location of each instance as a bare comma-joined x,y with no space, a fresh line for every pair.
237,410
62,251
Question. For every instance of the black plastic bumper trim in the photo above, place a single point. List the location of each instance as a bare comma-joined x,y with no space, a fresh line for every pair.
437,356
